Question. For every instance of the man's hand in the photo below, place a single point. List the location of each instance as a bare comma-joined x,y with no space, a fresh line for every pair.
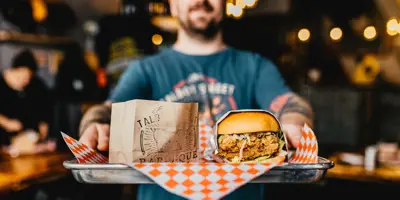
292,111
97,136
293,134
13,125
94,129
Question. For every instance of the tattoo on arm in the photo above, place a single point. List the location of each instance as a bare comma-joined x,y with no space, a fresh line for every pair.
96,114
291,103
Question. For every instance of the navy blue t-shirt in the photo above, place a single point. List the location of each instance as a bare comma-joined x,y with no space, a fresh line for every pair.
228,80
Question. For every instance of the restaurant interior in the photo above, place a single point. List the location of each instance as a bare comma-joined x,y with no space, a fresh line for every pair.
342,56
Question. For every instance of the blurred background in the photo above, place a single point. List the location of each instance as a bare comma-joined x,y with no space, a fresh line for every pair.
343,56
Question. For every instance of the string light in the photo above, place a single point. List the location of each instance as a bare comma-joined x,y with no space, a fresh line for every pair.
304,34
39,10
241,4
236,8
250,3
237,11
157,39
229,8
392,26
370,32
336,33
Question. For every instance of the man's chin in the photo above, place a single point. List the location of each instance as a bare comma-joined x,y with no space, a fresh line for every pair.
205,30
199,26
207,33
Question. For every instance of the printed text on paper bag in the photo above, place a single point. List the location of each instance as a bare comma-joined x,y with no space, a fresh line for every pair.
183,157
161,143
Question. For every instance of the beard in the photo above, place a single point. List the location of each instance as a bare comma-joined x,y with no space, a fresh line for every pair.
207,33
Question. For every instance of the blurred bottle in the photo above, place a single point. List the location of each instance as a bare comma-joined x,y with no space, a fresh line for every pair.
370,160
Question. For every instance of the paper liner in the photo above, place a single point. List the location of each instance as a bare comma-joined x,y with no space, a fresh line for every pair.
307,152
203,180
82,153
206,180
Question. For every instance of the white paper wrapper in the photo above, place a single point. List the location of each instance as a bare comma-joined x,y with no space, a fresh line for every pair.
212,147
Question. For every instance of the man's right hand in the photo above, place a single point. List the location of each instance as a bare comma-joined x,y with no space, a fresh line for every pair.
13,125
97,136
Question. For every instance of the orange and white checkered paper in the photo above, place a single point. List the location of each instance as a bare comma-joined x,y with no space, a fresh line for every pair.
208,180
307,152
82,153
203,180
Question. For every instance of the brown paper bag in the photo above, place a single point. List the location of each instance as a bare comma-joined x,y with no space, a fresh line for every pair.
153,131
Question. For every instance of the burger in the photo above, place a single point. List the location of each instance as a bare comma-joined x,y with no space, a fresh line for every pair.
252,136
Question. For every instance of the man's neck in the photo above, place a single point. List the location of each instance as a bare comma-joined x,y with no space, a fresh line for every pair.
196,46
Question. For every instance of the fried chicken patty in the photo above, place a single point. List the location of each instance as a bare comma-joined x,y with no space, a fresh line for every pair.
254,145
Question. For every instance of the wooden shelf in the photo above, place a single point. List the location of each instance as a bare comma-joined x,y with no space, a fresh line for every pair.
9,36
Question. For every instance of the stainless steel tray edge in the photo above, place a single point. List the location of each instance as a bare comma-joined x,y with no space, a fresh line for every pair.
122,174
323,163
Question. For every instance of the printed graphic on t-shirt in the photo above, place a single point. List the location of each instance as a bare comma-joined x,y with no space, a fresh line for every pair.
214,97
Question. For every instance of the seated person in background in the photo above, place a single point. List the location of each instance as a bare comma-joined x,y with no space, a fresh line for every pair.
24,108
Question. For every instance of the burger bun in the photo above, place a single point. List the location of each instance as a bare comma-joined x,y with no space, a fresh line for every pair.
248,122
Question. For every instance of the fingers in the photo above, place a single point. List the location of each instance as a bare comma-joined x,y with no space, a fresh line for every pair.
89,136
290,144
103,136
96,136
294,139
293,134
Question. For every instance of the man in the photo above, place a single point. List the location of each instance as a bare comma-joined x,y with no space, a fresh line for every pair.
24,107
200,67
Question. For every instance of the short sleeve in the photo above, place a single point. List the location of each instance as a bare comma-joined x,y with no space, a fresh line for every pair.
269,83
133,84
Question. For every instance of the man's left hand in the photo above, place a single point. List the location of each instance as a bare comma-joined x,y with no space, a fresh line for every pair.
293,134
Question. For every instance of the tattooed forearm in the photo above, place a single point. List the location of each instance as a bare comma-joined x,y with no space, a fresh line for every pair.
296,104
292,107
96,114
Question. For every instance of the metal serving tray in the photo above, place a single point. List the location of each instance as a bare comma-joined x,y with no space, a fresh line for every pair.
122,174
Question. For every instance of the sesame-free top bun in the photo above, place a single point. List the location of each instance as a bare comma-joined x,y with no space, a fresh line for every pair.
248,122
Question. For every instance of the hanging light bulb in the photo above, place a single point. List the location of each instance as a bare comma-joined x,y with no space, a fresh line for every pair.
230,9
370,33
39,10
157,39
304,35
250,3
241,3
392,27
237,11
336,33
